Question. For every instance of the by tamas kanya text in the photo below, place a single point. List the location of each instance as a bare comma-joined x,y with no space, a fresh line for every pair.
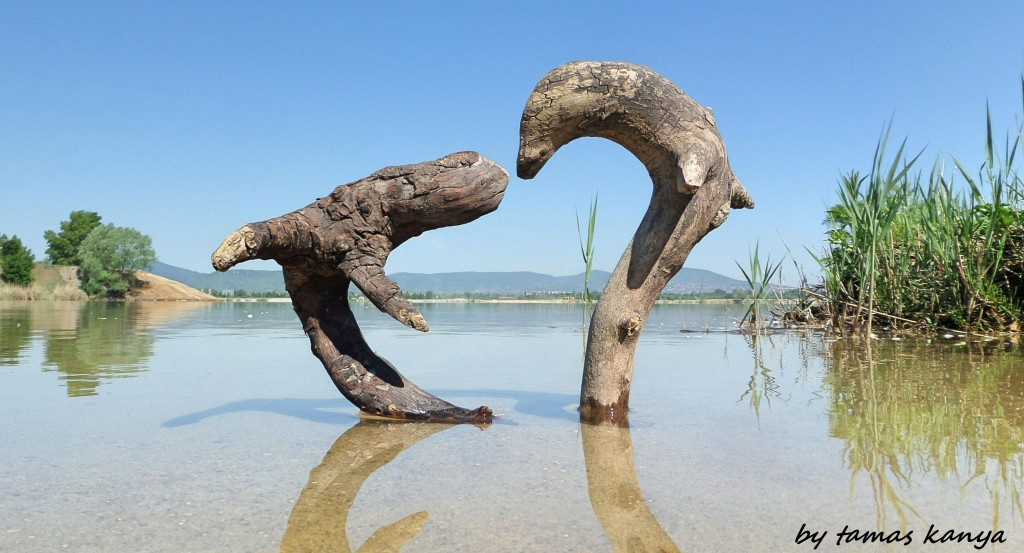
849,535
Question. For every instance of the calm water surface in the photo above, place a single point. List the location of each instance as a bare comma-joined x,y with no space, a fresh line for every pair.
211,427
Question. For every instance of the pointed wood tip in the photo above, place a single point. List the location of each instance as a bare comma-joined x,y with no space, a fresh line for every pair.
235,249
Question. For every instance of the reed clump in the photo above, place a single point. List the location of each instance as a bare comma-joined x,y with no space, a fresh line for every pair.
758,276
945,250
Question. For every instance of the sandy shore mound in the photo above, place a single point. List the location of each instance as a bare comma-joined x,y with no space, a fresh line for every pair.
150,287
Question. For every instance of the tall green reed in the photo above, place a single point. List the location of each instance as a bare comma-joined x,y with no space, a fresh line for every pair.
758,279
587,251
929,250
867,210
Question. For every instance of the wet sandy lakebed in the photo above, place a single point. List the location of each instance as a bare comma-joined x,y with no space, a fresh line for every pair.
211,427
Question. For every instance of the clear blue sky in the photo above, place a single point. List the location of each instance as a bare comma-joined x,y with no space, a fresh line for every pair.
186,120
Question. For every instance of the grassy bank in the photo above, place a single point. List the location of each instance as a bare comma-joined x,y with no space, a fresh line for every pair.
945,249
36,291
50,282
58,282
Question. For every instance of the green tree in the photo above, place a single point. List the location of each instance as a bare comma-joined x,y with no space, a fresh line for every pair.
16,261
110,255
62,248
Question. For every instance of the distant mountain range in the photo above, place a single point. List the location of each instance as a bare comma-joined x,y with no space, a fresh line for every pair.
517,283
235,279
688,281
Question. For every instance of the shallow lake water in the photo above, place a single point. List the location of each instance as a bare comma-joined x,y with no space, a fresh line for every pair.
211,427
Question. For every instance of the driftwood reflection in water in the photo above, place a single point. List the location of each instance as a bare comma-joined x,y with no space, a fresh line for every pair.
908,410
318,520
615,492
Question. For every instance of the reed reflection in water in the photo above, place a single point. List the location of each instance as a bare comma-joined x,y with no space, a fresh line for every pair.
762,383
909,410
766,382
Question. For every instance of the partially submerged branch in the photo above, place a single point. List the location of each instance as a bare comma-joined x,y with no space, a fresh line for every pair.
347,237
694,190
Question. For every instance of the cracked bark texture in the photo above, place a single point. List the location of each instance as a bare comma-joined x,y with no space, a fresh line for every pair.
346,237
694,189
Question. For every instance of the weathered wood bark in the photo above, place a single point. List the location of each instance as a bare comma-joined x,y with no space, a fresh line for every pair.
694,188
615,492
318,520
347,237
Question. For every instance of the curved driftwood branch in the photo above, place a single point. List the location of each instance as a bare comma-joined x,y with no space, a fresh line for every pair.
347,237
694,189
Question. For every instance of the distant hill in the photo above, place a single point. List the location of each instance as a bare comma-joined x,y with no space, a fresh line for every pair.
516,283
235,279
150,287
688,281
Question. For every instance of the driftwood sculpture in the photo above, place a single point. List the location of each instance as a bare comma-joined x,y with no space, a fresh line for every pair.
694,189
347,237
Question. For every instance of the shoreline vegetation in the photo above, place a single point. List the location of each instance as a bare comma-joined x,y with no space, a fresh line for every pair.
941,250
56,283
50,282
907,251
546,301
62,283
800,309
796,309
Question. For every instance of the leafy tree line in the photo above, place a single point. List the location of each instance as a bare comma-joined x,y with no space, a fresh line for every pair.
109,256
106,255
242,293
16,261
62,247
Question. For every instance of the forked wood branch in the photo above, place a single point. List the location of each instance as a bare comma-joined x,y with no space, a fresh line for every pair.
347,237
694,189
